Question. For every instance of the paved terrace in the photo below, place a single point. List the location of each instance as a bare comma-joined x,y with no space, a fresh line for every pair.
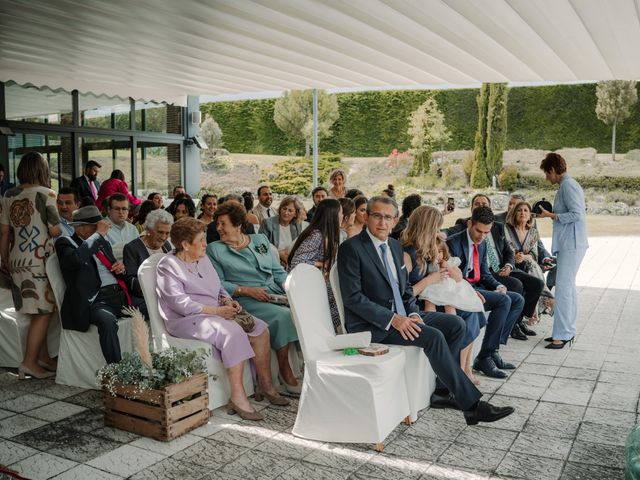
574,410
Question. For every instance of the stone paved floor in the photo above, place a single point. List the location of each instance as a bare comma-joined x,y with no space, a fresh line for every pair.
574,408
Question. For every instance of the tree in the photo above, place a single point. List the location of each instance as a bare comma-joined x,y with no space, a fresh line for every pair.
426,128
212,134
615,99
491,135
293,114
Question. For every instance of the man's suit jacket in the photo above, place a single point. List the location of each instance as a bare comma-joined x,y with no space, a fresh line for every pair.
80,274
133,254
366,291
506,255
271,228
81,184
459,247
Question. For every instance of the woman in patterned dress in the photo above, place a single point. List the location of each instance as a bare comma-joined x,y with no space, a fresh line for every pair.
28,223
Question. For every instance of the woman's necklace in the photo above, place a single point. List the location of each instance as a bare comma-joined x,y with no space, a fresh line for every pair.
241,244
191,264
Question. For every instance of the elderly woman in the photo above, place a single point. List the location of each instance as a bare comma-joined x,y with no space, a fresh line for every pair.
569,243
28,224
252,274
157,227
283,229
194,304
338,180
524,238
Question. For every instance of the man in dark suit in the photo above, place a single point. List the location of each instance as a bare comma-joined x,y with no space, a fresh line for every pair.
96,293
88,185
506,307
378,298
317,195
501,258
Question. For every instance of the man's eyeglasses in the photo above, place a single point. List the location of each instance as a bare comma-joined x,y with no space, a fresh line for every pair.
378,216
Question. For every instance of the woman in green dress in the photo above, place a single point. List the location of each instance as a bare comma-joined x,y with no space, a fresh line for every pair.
253,275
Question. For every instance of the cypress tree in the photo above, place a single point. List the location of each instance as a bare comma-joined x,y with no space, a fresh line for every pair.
479,177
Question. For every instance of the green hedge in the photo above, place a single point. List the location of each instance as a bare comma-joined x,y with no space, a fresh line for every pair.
604,183
374,123
294,176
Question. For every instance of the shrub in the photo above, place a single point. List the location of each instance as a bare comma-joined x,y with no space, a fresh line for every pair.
508,179
294,176
467,166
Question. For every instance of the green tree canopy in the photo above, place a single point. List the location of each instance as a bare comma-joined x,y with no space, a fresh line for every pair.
426,128
615,100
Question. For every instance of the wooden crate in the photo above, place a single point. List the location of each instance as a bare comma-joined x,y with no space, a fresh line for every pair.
160,414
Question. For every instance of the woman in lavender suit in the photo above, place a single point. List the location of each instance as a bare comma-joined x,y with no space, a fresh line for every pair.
194,305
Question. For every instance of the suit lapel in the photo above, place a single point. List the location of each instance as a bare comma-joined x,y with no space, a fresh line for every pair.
373,255
396,253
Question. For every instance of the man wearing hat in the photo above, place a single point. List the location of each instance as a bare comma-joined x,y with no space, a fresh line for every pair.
96,292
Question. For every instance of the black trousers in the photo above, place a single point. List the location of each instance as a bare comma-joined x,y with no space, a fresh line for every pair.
528,286
105,312
441,338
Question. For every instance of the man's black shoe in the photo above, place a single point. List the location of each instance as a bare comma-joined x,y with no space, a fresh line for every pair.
444,401
500,363
526,330
517,333
488,367
485,412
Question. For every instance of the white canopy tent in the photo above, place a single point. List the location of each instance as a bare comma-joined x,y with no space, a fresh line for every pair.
164,49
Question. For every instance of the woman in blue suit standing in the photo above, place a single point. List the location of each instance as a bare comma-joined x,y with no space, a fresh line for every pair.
569,243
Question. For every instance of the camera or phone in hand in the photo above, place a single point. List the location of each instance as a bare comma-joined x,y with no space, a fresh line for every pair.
451,205
549,263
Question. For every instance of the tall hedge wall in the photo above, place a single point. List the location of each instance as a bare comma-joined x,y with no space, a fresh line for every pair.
374,123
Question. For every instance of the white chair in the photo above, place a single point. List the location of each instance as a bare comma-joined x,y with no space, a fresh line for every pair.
346,399
219,389
80,355
419,376
13,332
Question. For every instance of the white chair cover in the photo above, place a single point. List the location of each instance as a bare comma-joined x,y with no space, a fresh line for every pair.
219,389
419,376
13,332
80,355
348,399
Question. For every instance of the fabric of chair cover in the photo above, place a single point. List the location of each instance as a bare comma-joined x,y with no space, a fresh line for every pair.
347,399
13,332
419,376
80,355
219,389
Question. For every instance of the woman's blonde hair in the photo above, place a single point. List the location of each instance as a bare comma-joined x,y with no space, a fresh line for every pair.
335,173
511,216
442,245
422,233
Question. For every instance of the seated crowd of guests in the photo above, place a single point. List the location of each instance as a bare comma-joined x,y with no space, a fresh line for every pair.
403,278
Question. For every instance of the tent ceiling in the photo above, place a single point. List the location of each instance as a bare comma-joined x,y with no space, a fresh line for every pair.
162,49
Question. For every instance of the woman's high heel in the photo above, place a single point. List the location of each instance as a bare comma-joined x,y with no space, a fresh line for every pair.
559,346
232,409
48,366
291,389
260,394
24,371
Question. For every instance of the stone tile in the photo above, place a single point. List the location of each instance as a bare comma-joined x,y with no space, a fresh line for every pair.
11,452
275,419
126,460
571,391
92,421
171,469
12,426
339,456
289,446
515,421
550,428
213,426
437,428
538,369
42,466
578,373
615,397
390,467
210,453
605,434
621,378
24,403
585,359
476,458
489,385
244,435
6,413
597,454
542,446
529,467
85,472
609,417
480,436
581,471
541,356
166,448
88,399
311,471
448,472
219,475
60,392
519,390
258,466
415,447
55,411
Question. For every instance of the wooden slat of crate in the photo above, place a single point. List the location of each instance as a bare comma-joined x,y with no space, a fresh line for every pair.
188,408
139,409
183,426
192,386
139,426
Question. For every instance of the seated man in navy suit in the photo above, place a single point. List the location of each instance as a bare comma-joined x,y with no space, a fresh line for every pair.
378,298
506,307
